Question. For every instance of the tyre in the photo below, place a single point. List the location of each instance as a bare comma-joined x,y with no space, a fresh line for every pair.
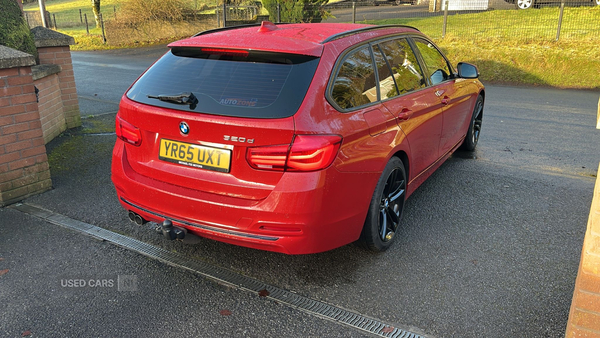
472,137
385,210
525,4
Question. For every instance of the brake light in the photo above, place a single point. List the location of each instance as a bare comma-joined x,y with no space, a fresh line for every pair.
223,51
128,132
307,153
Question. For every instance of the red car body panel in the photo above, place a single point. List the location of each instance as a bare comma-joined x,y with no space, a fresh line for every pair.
288,38
285,211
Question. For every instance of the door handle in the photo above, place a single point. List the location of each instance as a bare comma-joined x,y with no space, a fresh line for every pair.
405,114
446,100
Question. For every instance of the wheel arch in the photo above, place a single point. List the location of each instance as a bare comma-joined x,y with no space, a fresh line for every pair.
482,94
401,154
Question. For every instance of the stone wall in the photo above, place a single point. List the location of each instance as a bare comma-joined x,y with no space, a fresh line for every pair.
29,120
50,103
54,49
24,169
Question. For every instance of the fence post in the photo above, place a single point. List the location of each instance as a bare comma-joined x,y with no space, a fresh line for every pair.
102,25
445,18
224,14
43,13
87,27
115,11
560,17
80,17
353,11
218,17
54,19
278,12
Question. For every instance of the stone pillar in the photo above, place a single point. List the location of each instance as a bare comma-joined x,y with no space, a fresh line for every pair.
24,167
54,48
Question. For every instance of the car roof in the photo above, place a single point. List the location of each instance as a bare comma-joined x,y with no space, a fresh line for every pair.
302,38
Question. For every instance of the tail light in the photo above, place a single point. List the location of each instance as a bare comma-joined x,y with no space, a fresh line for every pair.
306,153
128,132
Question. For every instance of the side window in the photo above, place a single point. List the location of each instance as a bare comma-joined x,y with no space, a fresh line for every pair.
406,69
437,66
387,85
354,84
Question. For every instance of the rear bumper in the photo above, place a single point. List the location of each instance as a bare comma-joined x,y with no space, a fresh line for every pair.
305,213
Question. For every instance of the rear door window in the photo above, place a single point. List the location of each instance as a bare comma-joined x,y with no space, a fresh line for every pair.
387,84
355,83
405,67
240,83
438,69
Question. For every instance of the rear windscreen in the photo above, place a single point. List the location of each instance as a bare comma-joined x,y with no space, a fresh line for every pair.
227,82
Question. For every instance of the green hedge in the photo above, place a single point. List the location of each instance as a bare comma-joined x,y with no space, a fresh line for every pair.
14,31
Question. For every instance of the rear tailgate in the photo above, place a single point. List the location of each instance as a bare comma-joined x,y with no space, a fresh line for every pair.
215,102
238,180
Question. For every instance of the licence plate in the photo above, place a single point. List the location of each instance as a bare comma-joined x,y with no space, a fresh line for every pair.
195,155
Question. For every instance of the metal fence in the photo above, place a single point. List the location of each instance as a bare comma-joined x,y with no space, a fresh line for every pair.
113,29
481,19
476,19
84,19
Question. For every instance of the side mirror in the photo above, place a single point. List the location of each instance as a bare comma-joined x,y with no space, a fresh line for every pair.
467,71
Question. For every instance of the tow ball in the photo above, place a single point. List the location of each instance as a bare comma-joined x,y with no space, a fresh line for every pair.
169,231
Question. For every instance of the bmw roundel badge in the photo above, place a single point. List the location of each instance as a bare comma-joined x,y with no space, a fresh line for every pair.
184,128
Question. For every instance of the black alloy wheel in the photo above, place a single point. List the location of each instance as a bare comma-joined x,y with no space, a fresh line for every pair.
385,210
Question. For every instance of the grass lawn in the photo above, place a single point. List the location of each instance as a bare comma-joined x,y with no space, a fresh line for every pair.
519,47
580,23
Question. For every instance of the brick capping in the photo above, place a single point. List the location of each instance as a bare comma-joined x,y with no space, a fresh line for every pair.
12,58
42,71
45,37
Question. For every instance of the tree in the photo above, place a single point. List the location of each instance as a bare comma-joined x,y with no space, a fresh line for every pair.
14,31
296,10
96,10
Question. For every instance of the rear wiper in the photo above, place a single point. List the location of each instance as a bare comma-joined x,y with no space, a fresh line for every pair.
184,98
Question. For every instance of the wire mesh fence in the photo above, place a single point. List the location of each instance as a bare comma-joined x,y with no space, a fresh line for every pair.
482,19
81,18
115,26
477,19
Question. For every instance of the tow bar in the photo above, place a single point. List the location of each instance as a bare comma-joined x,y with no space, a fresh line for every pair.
169,231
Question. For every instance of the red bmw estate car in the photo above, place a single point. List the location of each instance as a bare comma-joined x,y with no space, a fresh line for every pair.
295,138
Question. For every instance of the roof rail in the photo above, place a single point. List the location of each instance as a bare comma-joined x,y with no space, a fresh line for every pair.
364,29
216,30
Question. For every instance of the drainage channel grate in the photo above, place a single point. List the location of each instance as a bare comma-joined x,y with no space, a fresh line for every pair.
222,275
